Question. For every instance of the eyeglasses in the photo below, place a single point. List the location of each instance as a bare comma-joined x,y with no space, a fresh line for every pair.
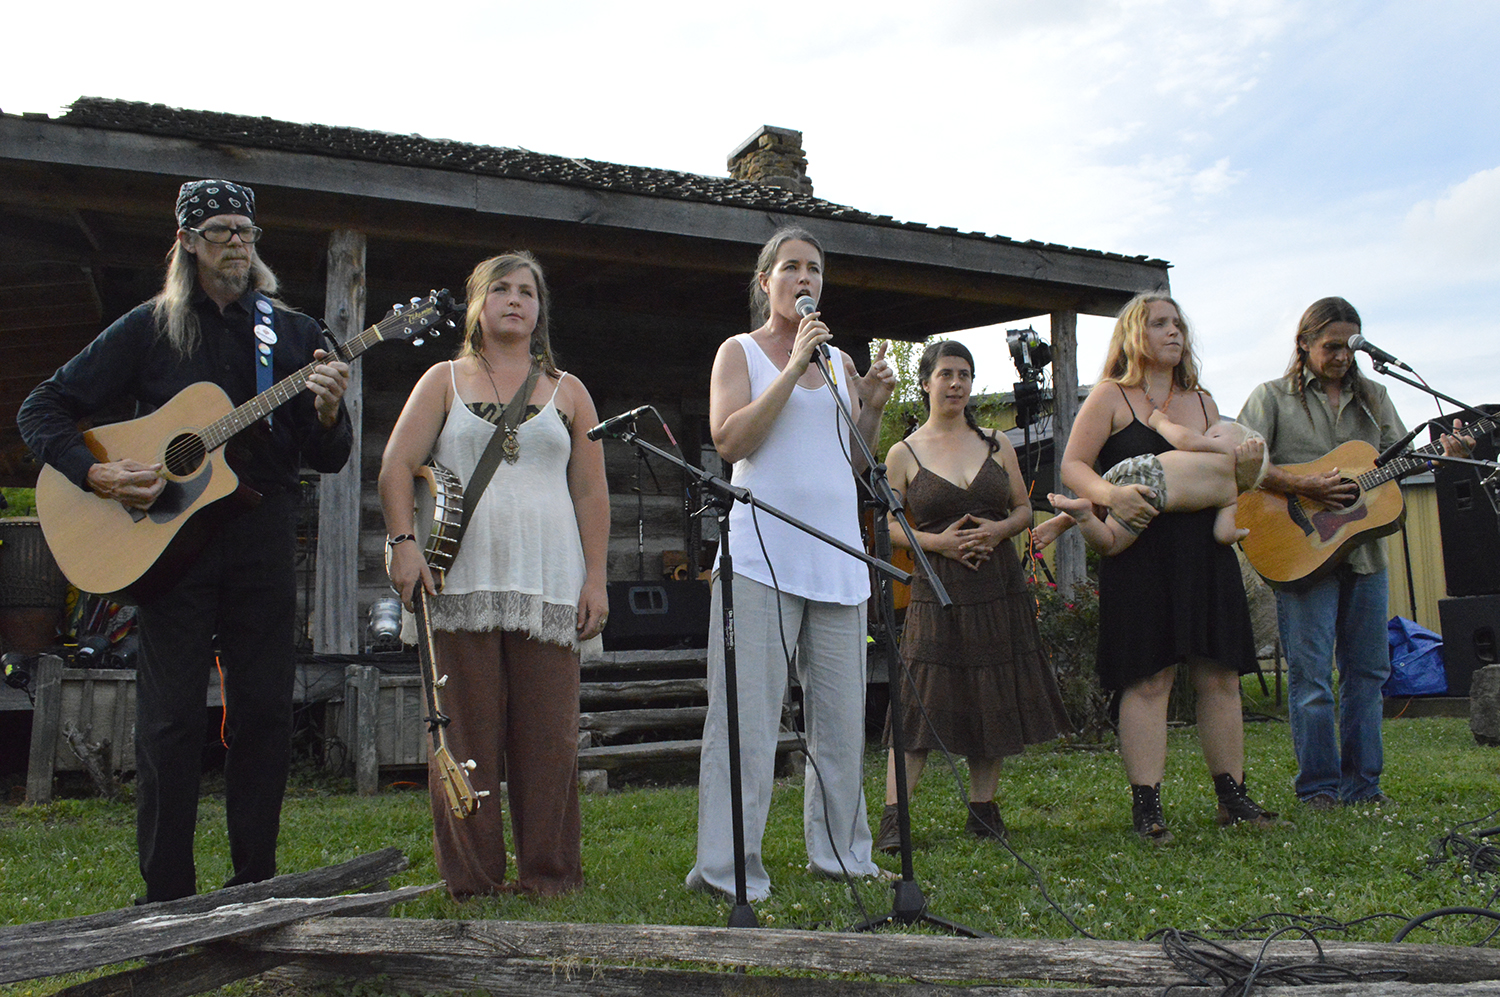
223,233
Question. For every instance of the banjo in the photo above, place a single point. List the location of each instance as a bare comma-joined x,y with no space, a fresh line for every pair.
439,513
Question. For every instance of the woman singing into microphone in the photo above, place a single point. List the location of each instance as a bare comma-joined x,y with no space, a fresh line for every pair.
772,416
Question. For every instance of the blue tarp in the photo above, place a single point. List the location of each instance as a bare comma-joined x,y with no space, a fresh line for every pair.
1417,667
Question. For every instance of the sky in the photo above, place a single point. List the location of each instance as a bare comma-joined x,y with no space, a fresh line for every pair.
1273,151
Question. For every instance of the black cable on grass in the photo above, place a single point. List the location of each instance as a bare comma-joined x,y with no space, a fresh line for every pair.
1481,857
1211,964
1420,919
1310,924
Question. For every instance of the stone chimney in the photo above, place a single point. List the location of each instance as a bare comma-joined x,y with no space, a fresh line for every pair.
772,156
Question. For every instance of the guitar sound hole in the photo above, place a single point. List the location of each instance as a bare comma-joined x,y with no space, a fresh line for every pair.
184,455
1352,498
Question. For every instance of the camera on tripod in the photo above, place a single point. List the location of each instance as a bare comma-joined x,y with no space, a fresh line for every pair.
1031,354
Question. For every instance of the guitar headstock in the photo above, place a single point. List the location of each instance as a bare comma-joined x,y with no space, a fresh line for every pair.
421,317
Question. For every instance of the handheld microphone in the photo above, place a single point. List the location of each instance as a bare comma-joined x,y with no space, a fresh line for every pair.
805,306
611,427
1359,342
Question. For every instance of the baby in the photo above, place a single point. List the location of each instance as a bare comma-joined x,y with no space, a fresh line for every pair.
1201,473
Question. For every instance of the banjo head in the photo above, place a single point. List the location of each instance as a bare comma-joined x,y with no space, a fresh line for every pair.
439,512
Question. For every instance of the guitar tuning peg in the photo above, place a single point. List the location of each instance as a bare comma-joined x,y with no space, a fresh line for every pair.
442,681
418,341
469,765
416,301
482,792
397,307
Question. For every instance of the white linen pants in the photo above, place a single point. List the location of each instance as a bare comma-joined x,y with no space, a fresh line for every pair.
829,641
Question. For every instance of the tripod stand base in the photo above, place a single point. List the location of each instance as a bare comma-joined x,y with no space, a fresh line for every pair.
909,906
743,916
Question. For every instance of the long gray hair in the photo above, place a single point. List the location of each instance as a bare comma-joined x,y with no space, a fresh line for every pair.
173,305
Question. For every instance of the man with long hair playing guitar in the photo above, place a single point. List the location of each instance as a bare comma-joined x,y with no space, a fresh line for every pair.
1322,402
214,320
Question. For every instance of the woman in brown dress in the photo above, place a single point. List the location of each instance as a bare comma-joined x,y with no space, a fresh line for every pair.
980,683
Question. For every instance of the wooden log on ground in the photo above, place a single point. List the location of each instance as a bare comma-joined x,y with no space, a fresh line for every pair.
1095,963
564,978
371,870
152,933
200,971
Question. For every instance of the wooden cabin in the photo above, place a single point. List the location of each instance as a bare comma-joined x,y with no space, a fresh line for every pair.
648,267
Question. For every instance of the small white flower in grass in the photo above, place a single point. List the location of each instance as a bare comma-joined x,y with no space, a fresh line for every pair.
1151,911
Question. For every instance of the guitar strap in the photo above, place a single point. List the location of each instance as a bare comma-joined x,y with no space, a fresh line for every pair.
265,338
504,436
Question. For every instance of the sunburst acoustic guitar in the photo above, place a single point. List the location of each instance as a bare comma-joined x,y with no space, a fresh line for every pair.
1295,541
106,549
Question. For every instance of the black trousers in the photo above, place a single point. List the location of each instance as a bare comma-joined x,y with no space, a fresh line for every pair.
238,596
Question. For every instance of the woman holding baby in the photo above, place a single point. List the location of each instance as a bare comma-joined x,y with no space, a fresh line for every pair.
1172,596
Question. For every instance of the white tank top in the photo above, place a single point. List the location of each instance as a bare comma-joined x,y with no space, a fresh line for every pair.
520,565
801,468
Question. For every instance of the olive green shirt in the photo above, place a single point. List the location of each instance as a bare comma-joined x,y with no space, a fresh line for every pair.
1276,412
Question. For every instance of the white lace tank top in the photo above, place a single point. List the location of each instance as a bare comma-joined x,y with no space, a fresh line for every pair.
520,565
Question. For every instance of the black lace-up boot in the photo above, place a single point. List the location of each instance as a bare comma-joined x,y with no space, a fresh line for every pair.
1236,806
985,821
1146,815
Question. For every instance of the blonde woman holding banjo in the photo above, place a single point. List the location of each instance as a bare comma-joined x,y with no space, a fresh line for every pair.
527,584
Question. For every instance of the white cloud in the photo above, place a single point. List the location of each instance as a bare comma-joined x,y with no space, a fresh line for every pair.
1460,231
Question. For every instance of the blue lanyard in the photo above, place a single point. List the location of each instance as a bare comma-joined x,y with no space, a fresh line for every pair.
265,338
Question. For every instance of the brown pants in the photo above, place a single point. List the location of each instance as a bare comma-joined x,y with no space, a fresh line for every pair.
513,702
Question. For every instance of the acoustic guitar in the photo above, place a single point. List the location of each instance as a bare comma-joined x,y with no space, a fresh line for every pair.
1295,541
130,554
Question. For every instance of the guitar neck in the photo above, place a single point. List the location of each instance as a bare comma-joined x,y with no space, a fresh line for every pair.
1400,467
278,394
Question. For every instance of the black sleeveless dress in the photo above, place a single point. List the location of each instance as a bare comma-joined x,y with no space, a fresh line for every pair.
1173,594
984,688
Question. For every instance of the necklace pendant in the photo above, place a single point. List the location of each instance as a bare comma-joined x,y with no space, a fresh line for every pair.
511,448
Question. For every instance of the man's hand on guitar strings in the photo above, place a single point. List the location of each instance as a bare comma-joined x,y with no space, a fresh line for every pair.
129,482
328,382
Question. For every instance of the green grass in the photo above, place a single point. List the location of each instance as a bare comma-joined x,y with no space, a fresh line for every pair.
1067,810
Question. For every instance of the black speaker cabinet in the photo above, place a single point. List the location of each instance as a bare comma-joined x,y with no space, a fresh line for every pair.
1469,521
1470,624
657,615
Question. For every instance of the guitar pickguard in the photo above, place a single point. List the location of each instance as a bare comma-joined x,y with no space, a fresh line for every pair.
1330,522
175,498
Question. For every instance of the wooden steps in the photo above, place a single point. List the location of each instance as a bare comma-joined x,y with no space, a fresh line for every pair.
644,708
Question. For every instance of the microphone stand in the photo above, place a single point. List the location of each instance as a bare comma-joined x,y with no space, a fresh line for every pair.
1403,453
908,905
720,495
1385,368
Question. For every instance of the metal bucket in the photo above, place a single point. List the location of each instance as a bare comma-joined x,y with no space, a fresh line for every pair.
29,577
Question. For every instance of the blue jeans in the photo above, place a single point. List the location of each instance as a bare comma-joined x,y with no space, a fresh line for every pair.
1344,615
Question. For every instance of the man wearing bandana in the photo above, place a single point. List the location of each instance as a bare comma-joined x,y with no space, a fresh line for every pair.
215,319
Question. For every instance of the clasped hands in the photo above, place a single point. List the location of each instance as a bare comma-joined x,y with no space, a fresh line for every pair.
969,540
